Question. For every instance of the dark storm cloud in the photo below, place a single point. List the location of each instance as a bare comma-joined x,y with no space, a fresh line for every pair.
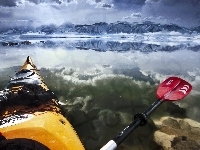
128,4
181,12
45,1
5,14
171,2
174,3
11,3
8,3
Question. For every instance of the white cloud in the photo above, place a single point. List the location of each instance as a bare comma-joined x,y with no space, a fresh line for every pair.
136,15
133,17
100,4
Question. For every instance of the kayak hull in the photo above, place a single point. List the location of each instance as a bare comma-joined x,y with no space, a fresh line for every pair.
50,129
30,113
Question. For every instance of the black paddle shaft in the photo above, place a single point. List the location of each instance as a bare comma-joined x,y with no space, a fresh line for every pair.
140,119
171,89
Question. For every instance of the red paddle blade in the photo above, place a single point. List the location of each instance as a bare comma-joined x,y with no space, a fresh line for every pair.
167,86
173,88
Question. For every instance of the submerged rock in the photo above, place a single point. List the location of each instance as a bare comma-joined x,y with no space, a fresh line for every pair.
177,134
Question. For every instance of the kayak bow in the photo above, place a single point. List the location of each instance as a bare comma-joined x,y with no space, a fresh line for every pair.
30,116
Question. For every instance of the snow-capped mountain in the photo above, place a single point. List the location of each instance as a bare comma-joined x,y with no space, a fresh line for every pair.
101,28
125,27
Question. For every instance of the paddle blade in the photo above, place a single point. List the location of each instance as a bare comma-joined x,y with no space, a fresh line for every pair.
173,88
167,86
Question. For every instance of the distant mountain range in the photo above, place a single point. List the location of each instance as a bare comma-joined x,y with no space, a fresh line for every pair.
100,28
103,46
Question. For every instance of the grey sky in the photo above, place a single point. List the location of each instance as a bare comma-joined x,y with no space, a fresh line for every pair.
37,12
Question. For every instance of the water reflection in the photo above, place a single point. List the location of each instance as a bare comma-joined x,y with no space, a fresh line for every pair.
102,84
102,45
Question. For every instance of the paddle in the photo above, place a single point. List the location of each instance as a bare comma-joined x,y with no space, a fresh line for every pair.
172,89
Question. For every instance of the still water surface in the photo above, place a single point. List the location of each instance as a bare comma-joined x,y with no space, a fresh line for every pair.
102,83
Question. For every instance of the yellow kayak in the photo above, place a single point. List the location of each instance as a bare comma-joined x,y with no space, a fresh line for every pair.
30,117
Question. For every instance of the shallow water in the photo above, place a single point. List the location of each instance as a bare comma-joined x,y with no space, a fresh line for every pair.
101,84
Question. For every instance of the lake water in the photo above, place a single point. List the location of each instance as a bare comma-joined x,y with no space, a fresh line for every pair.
102,82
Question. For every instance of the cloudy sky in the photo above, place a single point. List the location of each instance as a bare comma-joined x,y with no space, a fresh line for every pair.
36,12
